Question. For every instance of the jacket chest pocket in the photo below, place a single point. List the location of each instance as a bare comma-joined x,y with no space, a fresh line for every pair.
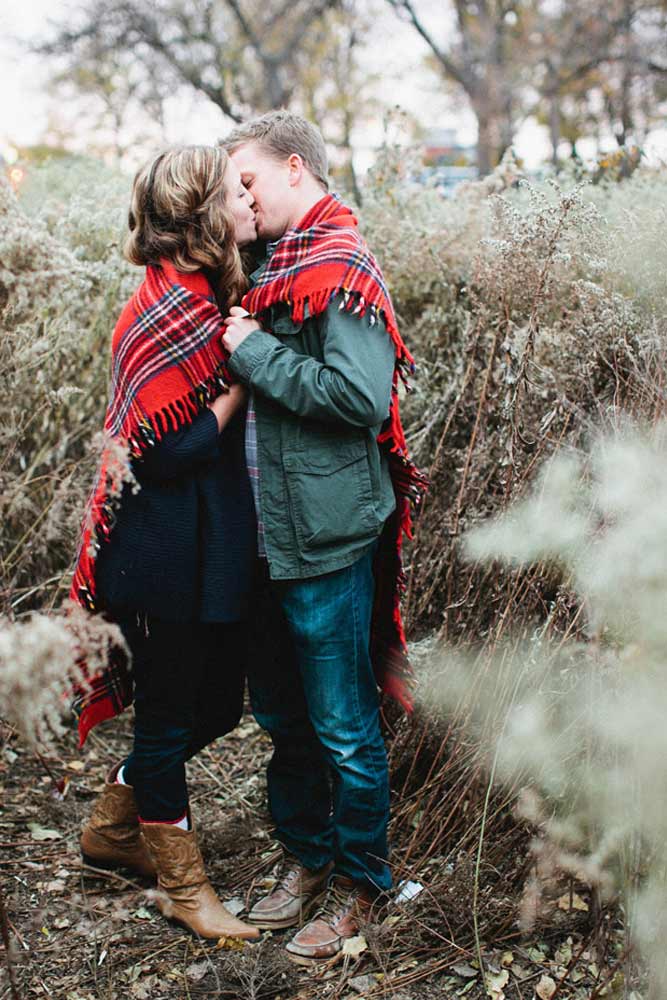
331,500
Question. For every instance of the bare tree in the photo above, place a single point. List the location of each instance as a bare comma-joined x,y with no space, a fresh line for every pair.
599,63
489,58
244,57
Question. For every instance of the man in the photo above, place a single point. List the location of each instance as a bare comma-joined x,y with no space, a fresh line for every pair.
322,374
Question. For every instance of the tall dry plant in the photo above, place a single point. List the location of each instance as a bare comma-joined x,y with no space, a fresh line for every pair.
61,286
536,314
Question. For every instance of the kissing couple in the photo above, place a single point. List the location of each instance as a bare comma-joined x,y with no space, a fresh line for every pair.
256,531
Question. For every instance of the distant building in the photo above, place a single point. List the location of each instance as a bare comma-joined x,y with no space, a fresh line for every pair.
442,149
446,161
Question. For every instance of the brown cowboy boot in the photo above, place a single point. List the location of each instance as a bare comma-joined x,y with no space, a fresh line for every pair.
111,837
297,891
346,905
188,896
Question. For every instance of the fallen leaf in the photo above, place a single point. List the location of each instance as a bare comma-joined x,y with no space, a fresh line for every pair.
575,902
405,966
361,984
546,988
536,954
196,971
61,922
38,832
234,906
143,914
57,885
354,946
230,944
495,984
564,954
466,971
506,958
76,765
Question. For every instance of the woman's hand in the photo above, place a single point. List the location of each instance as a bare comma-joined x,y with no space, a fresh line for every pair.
240,325
226,405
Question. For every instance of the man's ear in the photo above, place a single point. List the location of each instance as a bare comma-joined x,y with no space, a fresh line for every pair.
296,169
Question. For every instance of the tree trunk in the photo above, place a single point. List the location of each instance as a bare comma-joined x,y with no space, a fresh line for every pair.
554,129
485,143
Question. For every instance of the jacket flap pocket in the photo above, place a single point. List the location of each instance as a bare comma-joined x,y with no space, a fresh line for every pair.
325,462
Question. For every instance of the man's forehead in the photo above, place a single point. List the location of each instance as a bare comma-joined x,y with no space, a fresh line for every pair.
247,156
250,158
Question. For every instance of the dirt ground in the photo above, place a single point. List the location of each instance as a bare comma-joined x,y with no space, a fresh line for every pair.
79,934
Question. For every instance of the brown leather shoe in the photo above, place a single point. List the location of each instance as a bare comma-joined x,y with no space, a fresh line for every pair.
346,905
188,896
111,838
298,890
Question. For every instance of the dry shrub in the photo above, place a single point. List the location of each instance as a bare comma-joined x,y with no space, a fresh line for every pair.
61,287
41,659
536,315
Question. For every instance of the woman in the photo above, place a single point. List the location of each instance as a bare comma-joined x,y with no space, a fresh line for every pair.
171,561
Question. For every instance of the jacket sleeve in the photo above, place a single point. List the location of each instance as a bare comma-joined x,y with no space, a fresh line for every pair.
180,452
352,385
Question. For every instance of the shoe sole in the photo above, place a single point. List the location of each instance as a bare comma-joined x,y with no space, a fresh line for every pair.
304,960
281,925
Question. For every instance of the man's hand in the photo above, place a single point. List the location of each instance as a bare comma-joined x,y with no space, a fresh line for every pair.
239,325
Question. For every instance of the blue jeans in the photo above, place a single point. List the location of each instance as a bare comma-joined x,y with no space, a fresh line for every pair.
189,680
312,688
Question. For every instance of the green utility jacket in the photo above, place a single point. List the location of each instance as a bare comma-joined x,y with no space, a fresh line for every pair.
321,392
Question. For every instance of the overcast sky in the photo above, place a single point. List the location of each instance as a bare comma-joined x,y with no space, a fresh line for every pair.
397,52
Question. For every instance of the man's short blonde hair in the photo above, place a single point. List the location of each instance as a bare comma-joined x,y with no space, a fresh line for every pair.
281,133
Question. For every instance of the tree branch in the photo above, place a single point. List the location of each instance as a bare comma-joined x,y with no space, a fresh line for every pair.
449,66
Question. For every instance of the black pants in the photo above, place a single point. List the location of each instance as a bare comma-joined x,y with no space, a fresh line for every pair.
189,681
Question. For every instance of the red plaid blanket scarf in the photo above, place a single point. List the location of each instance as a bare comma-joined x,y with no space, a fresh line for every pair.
167,363
322,257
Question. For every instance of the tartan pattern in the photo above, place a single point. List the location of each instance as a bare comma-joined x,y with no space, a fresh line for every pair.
167,363
320,258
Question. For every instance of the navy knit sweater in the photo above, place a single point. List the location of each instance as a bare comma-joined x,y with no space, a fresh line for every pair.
183,547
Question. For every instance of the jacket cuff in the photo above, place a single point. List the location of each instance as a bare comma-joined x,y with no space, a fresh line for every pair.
250,353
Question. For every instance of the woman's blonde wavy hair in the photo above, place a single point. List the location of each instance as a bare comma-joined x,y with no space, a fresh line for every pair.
178,212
